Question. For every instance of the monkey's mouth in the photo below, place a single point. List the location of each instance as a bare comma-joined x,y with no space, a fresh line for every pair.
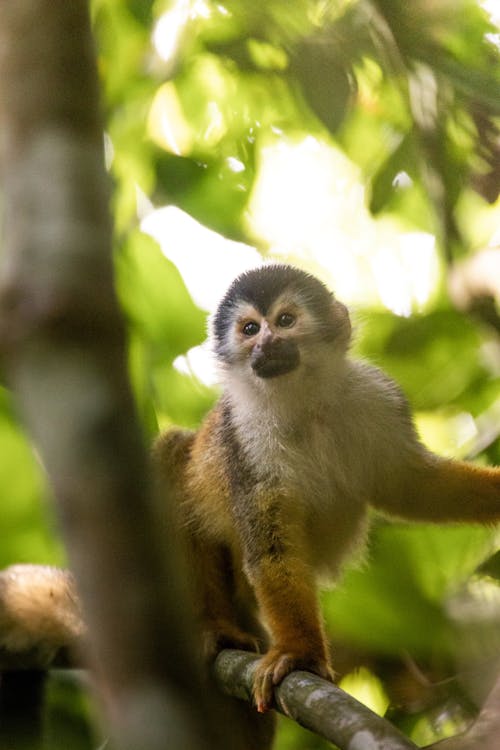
269,367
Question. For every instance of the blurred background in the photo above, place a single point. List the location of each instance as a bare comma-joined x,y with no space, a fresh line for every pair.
359,140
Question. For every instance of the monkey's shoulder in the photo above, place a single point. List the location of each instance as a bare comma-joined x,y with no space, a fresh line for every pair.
171,451
207,480
371,387
372,414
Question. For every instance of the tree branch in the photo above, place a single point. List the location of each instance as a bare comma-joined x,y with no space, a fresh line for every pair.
483,733
309,700
315,704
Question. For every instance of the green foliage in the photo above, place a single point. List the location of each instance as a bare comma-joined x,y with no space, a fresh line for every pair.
402,89
155,300
25,519
163,323
69,716
412,570
421,353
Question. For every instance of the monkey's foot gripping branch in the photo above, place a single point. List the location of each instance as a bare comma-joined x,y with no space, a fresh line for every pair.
314,703
272,669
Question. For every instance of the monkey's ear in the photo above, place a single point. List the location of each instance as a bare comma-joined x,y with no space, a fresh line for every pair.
342,323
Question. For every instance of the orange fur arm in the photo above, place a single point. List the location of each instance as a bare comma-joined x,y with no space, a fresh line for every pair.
276,563
441,490
286,593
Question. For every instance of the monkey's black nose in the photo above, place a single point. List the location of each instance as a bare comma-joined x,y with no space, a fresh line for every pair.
275,357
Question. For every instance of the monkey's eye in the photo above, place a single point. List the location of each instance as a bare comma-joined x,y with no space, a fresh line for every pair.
251,328
286,320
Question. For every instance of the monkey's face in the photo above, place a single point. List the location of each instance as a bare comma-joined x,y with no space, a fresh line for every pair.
275,319
269,342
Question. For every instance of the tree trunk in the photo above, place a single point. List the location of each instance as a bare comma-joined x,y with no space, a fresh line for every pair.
64,348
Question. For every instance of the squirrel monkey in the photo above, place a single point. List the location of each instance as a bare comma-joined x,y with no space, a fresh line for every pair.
274,487
273,490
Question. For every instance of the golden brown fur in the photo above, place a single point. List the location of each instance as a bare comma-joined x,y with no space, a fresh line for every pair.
281,473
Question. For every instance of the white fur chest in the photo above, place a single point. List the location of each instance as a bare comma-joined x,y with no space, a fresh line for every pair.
313,464
305,445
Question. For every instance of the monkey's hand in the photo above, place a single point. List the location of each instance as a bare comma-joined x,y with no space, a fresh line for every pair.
223,634
276,665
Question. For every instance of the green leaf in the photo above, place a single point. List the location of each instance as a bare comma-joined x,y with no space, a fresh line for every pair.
397,601
326,82
155,299
401,159
25,514
421,353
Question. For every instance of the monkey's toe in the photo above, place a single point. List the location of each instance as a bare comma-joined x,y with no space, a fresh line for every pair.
276,665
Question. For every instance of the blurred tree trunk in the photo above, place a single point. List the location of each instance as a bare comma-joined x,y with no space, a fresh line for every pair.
64,349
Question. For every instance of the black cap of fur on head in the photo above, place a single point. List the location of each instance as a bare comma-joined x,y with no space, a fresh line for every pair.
261,287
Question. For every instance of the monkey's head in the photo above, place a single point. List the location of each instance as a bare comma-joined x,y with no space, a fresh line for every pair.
275,318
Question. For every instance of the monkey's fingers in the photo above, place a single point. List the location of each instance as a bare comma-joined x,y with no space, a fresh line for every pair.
276,665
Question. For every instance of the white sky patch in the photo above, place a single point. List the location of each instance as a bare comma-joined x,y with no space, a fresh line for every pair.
293,203
198,362
167,124
207,261
169,29
167,32
405,271
235,165
309,201
142,202
492,8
